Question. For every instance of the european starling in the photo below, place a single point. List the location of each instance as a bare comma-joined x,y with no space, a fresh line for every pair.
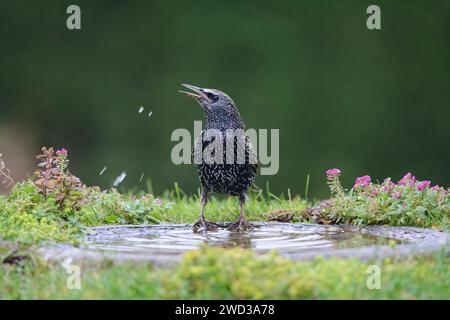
236,172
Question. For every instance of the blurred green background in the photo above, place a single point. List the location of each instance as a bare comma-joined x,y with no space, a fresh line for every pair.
367,102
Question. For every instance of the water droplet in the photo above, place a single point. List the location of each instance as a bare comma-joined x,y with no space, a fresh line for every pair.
119,179
141,108
103,170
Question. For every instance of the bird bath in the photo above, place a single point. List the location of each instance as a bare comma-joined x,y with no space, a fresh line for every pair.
165,243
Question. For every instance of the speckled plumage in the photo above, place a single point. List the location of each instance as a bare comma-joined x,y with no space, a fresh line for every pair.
233,175
229,178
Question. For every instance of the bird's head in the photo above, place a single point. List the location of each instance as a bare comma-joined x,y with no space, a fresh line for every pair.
219,109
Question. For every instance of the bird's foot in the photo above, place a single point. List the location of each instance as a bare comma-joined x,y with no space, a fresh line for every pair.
204,226
240,225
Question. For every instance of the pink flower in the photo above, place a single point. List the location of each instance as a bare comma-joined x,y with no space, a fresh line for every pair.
408,179
374,192
362,182
333,173
397,194
435,188
61,152
388,185
422,185
158,201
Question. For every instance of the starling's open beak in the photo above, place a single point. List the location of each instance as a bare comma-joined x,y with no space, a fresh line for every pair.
198,93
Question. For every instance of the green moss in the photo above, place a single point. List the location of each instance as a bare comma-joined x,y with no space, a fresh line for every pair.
214,273
27,217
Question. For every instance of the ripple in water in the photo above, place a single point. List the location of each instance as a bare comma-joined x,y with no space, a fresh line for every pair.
177,239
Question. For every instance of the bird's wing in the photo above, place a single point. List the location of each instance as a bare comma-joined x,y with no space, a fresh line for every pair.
243,147
251,155
197,149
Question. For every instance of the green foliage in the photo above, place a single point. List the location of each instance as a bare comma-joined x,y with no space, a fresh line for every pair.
57,206
112,207
407,203
27,216
218,273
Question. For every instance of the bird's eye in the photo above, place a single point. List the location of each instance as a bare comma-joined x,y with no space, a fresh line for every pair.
212,97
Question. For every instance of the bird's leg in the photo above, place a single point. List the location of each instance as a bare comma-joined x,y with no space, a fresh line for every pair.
203,225
202,211
240,224
241,220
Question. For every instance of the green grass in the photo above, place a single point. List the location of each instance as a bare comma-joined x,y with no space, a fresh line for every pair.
183,208
215,273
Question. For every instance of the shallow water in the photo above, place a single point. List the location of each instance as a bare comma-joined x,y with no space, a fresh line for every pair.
176,239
